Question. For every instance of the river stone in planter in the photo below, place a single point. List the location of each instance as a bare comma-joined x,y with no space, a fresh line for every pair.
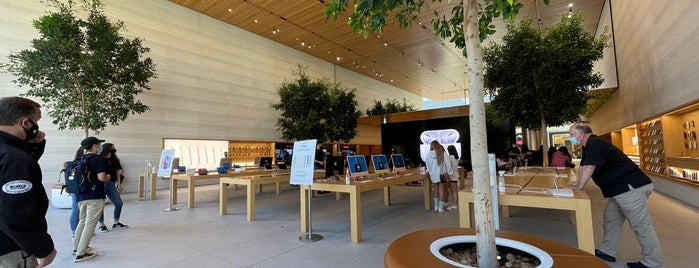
460,251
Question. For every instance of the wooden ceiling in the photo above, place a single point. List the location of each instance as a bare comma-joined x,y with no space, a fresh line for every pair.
412,59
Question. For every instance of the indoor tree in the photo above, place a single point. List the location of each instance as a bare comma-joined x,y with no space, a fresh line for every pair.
391,106
468,24
84,71
317,109
539,78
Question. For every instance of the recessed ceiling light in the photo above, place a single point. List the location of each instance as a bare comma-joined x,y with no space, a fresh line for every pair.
338,58
256,21
230,10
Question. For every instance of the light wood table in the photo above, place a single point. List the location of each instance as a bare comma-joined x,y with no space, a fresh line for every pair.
534,184
191,182
355,188
251,182
141,184
413,249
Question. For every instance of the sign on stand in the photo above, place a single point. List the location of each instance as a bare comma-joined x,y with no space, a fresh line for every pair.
302,174
165,170
165,164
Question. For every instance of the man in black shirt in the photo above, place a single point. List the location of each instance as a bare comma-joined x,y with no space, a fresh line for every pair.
627,189
24,240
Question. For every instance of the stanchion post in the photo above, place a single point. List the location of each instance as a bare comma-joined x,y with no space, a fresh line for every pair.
310,237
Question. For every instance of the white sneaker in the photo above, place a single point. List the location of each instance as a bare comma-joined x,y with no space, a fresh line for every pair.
453,207
436,204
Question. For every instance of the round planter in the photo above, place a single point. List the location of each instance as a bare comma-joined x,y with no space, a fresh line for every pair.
545,258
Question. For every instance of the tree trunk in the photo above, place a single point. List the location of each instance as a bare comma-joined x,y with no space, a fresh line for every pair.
544,141
483,206
86,131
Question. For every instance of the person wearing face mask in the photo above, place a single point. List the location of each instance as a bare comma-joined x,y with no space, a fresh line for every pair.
626,188
113,187
24,240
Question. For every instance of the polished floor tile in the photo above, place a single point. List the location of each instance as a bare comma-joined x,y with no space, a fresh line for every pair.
200,237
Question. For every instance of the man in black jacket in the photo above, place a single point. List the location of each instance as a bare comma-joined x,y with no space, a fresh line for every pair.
24,241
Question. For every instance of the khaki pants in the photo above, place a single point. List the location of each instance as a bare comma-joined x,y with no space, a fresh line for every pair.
631,206
90,211
18,259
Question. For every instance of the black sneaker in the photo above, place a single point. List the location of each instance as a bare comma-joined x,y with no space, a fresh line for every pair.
103,229
86,256
119,225
604,256
636,265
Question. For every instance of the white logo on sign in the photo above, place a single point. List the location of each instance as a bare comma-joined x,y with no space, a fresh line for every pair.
17,187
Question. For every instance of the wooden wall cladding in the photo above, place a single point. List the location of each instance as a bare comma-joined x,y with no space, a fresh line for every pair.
215,81
657,61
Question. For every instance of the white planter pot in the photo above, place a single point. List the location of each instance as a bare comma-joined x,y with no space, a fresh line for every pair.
545,258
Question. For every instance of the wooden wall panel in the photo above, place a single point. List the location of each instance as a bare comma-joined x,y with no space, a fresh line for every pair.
658,61
215,81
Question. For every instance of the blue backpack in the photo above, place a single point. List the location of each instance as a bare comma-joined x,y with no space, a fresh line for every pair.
77,176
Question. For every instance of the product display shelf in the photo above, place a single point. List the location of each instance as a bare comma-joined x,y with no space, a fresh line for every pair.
653,151
246,151
681,152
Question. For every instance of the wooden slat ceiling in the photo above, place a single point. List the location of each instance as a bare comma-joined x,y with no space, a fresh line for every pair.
412,59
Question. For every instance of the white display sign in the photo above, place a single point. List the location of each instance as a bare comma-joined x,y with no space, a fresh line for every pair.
302,162
165,164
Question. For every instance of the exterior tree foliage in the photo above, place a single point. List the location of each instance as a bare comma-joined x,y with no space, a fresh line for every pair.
316,110
537,75
391,106
85,72
468,24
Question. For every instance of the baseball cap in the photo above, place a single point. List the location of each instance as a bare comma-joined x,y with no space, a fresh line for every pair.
88,142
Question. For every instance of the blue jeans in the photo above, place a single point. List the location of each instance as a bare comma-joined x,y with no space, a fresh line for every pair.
112,193
74,214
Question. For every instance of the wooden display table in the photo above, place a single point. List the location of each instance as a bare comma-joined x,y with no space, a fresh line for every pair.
413,249
355,189
528,188
251,183
191,181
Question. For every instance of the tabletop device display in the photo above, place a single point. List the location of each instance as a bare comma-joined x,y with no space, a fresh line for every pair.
176,164
398,162
357,165
380,163
334,165
265,162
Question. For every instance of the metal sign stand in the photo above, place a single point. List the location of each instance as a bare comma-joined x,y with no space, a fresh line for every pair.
310,237
168,209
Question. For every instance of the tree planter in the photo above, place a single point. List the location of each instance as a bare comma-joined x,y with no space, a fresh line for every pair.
544,258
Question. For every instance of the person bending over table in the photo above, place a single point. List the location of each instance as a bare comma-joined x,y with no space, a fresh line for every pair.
627,189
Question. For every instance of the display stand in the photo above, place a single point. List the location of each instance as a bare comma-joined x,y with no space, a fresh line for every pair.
310,236
171,208
165,170
146,178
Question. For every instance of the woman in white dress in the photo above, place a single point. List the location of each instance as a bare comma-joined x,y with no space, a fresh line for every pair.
437,164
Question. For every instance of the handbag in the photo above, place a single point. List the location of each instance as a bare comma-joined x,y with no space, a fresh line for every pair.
443,177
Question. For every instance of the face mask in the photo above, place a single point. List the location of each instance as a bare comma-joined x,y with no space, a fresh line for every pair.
99,151
32,132
573,140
